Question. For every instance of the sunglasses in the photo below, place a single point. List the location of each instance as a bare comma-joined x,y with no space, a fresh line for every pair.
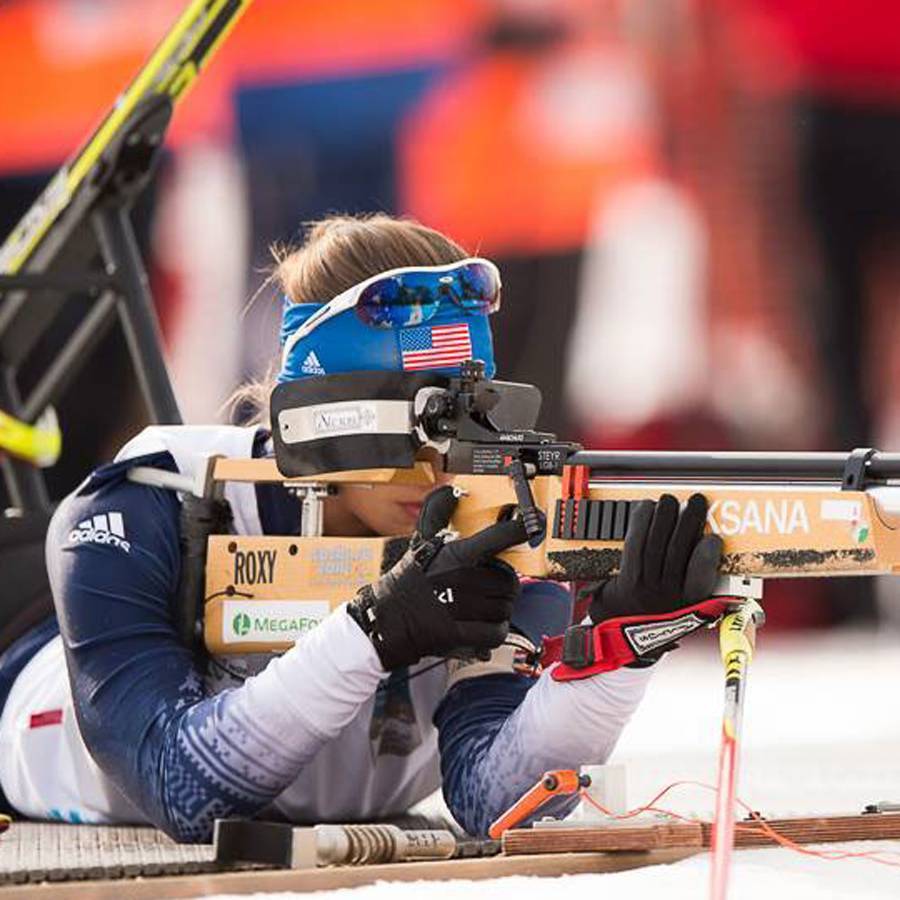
400,298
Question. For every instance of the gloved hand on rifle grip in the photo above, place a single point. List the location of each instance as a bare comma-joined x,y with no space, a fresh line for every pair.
669,569
443,595
667,561
668,564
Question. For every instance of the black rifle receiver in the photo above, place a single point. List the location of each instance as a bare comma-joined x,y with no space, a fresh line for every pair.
485,425
371,420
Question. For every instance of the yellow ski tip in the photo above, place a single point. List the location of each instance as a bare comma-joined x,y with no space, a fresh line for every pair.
39,444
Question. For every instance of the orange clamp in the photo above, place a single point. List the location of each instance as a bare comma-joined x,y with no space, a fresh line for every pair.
552,784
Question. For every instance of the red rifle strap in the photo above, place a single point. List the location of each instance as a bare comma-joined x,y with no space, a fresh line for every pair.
586,650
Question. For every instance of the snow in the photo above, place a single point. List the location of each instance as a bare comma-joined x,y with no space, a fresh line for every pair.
821,735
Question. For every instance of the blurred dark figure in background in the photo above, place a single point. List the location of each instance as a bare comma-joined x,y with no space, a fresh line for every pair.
847,60
851,167
840,70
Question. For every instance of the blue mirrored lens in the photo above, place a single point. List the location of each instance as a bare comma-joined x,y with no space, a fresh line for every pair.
477,287
398,301
411,298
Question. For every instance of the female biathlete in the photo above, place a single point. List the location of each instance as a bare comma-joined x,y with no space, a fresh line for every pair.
111,718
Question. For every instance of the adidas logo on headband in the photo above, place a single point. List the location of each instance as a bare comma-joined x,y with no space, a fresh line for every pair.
311,365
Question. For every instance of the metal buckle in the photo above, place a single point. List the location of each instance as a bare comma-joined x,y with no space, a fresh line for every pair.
578,646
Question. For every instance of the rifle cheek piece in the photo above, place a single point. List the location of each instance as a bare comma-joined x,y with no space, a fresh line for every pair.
380,420
355,420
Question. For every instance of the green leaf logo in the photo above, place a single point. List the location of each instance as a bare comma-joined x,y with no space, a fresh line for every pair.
241,624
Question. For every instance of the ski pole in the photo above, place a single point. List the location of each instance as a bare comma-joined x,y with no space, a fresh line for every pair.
737,635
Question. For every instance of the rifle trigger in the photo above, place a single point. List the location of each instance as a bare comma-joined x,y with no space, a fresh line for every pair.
533,519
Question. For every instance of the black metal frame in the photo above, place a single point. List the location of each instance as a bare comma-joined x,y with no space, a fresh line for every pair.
95,225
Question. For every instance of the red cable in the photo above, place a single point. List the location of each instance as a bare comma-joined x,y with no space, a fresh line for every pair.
876,856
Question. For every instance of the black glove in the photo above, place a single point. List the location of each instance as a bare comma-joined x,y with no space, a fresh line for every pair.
667,561
443,595
667,564
669,569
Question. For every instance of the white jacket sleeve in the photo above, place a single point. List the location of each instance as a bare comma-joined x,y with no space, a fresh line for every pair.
495,743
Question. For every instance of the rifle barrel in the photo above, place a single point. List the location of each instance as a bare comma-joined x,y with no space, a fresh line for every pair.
757,466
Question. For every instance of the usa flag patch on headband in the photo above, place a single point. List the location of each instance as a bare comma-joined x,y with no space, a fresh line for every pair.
435,346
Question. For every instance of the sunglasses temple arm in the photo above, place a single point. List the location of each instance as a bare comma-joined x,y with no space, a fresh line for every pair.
339,304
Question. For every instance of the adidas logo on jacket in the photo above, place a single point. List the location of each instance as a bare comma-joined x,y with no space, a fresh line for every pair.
107,528
311,365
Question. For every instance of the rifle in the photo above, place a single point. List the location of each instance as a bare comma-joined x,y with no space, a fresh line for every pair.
779,514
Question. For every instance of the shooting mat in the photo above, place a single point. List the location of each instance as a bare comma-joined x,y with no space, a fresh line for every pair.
35,851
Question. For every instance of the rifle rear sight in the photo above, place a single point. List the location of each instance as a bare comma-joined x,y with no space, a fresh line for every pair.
481,426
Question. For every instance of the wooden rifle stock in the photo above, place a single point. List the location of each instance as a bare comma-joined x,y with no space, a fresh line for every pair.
780,515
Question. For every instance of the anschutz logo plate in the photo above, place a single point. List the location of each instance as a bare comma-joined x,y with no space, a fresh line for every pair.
653,635
341,419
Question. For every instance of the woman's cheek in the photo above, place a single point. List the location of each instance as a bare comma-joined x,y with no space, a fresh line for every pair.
382,514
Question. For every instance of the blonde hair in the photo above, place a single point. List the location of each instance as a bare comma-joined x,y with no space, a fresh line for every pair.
336,253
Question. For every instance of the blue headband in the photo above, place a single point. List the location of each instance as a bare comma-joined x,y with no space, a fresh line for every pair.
345,344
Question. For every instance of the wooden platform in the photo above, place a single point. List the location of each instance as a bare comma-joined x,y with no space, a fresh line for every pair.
127,863
648,835
308,880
